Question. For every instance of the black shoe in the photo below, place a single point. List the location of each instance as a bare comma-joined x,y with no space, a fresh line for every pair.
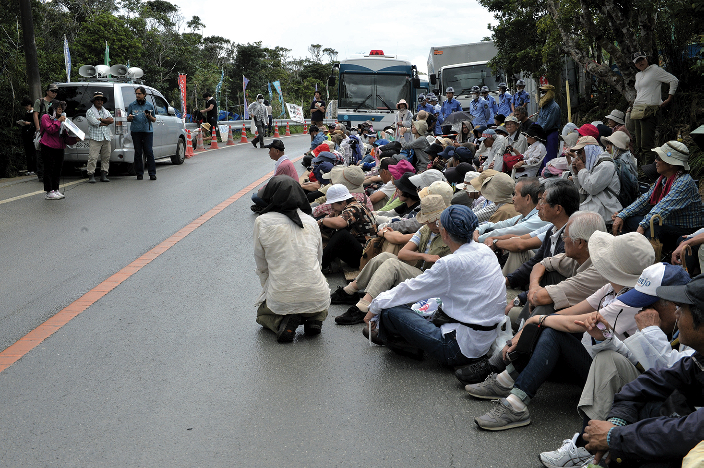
104,176
351,317
256,209
375,334
254,143
140,177
341,297
312,327
475,372
287,328
152,177
91,178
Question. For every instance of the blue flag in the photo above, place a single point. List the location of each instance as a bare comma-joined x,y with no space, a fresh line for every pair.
67,60
245,82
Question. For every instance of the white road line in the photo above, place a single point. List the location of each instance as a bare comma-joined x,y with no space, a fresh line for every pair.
19,197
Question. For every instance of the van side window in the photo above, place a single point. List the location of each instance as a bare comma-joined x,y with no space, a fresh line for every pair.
160,105
128,96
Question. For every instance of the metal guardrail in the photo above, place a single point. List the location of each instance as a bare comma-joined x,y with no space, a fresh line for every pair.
237,124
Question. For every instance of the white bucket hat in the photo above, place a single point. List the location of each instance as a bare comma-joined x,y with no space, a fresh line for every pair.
619,139
675,153
466,185
424,179
617,116
621,259
441,188
431,207
337,193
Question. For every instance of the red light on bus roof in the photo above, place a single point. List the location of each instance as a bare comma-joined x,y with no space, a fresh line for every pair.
376,52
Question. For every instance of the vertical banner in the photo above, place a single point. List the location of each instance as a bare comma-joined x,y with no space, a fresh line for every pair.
107,54
245,82
219,86
182,88
268,85
67,60
277,86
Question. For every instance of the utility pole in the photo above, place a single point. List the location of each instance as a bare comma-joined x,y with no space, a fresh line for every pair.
30,50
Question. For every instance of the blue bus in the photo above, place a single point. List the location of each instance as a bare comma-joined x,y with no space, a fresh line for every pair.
371,85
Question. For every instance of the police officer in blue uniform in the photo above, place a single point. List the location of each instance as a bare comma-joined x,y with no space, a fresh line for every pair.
521,97
425,105
479,108
450,105
504,101
433,99
493,107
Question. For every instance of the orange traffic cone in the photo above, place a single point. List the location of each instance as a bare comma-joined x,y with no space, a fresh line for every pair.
288,130
276,130
305,128
199,141
214,140
230,140
189,144
243,137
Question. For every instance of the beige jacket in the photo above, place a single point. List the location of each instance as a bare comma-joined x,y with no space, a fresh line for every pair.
582,280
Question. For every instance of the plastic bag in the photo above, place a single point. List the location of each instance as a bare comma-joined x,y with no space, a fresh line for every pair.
427,307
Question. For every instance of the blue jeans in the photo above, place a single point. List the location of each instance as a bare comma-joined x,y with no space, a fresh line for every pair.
143,142
421,333
556,351
368,158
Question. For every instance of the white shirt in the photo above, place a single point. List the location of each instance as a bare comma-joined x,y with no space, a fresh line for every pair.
471,287
533,157
649,82
284,251
388,189
614,311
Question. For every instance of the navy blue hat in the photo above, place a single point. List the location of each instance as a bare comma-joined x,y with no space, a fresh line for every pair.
647,288
460,221
381,142
464,154
447,153
321,168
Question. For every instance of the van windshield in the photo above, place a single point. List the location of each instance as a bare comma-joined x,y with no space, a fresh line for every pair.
78,98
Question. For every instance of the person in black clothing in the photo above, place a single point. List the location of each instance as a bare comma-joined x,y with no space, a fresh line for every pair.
26,124
317,110
211,112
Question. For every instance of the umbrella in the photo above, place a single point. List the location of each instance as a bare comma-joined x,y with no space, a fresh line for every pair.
457,117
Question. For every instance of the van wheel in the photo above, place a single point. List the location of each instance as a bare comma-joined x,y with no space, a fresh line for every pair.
180,155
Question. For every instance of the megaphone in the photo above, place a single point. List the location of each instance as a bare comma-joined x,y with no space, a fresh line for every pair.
135,72
87,71
118,70
103,70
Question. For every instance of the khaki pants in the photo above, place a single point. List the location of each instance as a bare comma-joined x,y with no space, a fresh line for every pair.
609,372
695,458
96,148
515,260
268,319
383,272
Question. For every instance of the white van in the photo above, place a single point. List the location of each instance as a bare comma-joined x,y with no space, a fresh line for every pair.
169,130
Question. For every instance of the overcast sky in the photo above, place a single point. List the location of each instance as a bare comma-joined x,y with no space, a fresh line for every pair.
407,29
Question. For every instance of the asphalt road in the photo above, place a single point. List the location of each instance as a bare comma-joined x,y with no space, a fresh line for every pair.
170,368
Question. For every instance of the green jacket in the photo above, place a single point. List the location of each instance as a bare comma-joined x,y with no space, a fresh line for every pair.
437,246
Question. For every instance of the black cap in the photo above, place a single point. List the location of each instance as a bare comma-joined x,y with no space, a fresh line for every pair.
690,293
97,95
276,144
52,87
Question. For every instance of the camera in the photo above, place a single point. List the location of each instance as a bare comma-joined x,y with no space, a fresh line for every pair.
147,112
513,355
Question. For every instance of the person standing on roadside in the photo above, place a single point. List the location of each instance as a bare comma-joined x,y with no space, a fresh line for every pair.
141,114
52,148
26,124
211,112
257,111
99,137
41,107
317,110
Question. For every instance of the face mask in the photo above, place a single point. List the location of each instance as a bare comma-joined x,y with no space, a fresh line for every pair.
261,101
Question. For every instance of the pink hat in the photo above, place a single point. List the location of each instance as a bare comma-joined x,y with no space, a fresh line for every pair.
403,166
589,130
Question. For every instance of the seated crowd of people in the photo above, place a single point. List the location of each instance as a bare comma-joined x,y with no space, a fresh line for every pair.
470,248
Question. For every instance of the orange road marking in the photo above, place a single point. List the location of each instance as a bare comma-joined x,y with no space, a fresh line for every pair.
32,339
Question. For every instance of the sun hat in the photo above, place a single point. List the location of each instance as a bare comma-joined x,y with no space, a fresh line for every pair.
547,86
588,130
659,274
482,179
337,193
620,259
402,101
97,95
404,185
441,188
537,132
692,293
501,129
426,178
499,189
584,141
421,127
466,185
351,177
455,175
619,139
431,207
511,118
397,170
617,116
675,153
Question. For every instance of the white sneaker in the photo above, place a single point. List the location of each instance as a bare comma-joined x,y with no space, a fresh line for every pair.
59,195
567,455
49,195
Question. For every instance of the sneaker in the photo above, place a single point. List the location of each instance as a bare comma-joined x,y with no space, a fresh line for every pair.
502,416
567,455
59,195
312,327
152,177
351,317
490,389
341,297
256,208
50,196
254,143
475,372
287,328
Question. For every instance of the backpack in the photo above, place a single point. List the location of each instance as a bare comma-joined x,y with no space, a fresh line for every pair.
629,182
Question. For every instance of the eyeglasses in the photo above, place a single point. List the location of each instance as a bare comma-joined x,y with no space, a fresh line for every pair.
658,158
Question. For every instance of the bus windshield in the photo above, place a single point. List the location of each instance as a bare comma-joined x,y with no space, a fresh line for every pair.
373,92
463,78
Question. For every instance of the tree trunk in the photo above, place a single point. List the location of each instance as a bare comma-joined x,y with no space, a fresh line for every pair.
30,50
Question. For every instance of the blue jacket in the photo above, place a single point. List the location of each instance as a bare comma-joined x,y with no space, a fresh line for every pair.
448,107
659,438
480,111
493,108
319,138
549,117
427,108
504,104
140,123
520,98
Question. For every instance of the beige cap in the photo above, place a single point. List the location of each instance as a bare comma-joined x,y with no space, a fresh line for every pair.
483,178
619,139
351,177
585,141
442,188
675,153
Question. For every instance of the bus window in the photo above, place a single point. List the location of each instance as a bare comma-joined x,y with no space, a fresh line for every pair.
390,89
356,91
